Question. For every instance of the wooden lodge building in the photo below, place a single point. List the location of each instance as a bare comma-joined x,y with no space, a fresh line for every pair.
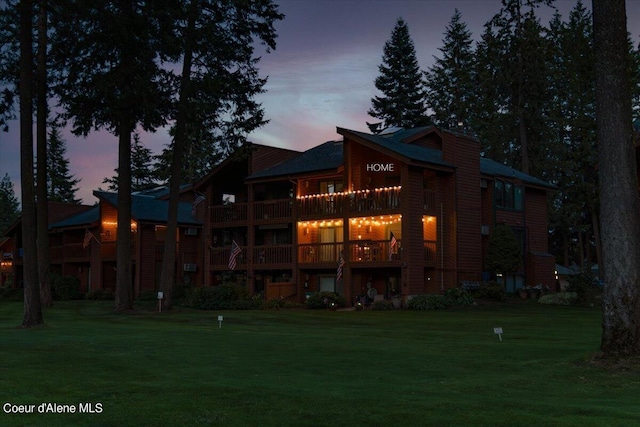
403,212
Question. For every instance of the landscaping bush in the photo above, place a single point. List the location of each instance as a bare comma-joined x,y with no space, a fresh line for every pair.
583,285
491,291
148,296
385,304
427,302
458,296
65,288
560,298
322,300
226,296
10,293
100,294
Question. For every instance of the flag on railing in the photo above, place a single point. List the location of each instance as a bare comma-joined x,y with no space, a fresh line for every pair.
392,244
235,251
199,199
87,238
340,268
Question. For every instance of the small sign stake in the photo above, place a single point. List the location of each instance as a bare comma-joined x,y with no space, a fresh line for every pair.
220,319
498,332
160,296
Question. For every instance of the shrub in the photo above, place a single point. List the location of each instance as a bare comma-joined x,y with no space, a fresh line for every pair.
491,291
100,294
226,296
458,296
322,300
65,288
427,302
583,285
560,298
384,304
148,296
10,293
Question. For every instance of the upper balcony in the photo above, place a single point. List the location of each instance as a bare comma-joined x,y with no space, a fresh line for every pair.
377,201
264,211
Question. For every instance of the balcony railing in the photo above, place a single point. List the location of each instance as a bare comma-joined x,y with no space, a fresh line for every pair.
374,251
273,209
224,214
321,205
272,254
219,258
317,253
378,199
430,253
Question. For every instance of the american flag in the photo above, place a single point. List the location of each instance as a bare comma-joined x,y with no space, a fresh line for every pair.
392,244
199,199
340,268
235,251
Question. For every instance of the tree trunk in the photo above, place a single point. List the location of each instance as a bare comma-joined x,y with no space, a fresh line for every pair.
32,306
169,258
620,205
41,175
124,294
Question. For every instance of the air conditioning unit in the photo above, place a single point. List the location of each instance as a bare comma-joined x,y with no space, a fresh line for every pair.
484,230
189,267
191,231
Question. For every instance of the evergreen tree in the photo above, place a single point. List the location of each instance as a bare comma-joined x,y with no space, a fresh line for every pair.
401,82
574,213
61,185
142,168
516,49
449,81
9,206
218,83
503,252
109,58
8,62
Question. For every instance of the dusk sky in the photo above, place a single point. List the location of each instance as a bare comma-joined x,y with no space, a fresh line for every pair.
320,76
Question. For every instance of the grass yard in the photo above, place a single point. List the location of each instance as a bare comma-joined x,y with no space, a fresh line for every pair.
313,368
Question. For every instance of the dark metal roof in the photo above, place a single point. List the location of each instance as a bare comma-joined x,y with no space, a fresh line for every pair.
394,142
491,167
325,156
151,209
84,218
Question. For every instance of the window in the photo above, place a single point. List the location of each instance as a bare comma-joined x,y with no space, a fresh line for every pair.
330,187
508,195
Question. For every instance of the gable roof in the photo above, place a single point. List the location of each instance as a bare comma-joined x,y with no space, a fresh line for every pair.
396,142
491,167
150,209
327,156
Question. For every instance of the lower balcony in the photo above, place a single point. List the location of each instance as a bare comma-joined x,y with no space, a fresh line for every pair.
272,256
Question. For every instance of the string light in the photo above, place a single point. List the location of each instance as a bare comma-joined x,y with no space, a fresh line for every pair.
349,193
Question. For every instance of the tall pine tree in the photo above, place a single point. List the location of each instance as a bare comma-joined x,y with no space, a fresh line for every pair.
449,80
9,206
142,168
401,82
61,185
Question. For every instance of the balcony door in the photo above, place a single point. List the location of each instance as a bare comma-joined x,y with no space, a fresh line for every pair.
329,248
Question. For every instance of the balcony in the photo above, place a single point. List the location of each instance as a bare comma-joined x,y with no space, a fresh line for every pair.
225,215
219,258
374,251
273,210
319,253
270,255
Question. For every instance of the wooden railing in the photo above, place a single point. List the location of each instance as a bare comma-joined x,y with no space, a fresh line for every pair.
321,205
219,258
314,253
224,214
272,254
429,200
374,251
273,209
378,199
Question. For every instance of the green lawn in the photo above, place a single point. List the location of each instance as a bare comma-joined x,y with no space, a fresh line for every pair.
314,368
